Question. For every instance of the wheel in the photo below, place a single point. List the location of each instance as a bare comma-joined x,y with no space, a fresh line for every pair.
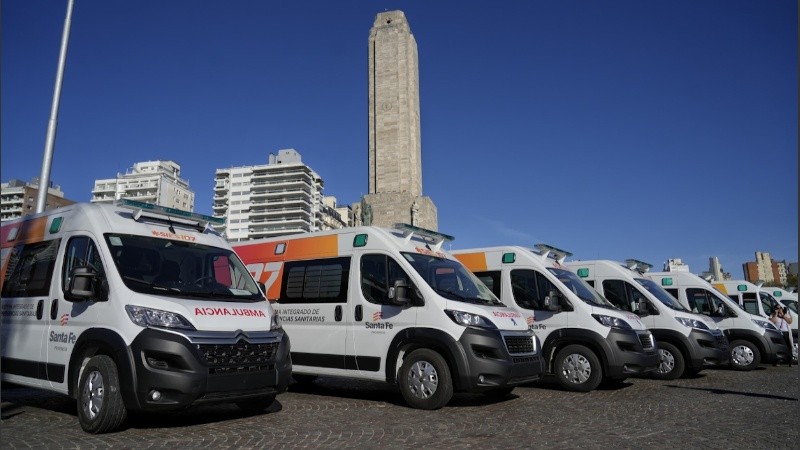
744,355
499,392
425,380
672,364
303,378
577,368
100,405
256,404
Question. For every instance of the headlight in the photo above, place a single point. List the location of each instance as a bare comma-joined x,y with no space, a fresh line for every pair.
764,324
275,323
692,323
612,322
148,317
469,320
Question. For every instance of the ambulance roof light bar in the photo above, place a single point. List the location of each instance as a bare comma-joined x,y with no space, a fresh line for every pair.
432,237
558,254
639,266
163,213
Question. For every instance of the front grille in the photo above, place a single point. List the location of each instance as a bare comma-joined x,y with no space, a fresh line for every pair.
239,357
519,344
647,341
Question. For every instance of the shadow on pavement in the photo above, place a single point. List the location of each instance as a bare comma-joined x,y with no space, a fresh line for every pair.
725,391
550,383
381,392
17,400
197,415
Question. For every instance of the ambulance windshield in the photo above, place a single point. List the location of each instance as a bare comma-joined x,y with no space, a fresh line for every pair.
662,295
183,269
451,279
580,288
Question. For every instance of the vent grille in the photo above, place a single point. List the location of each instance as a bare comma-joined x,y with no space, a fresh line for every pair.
647,341
519,344
239,357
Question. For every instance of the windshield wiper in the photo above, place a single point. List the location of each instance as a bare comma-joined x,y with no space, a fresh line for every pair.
475,300
447,291
152,284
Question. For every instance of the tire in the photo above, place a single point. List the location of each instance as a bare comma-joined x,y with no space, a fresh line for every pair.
425,380
257,404
500,392
100,405
577,368
744,355
671,365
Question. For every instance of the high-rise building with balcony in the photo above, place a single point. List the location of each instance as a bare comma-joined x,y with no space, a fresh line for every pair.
18,198
157,182
281,197
764,268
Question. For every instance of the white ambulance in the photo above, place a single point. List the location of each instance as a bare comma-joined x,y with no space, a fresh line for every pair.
753,340
135,307
687,342
390,305
755,299
585,339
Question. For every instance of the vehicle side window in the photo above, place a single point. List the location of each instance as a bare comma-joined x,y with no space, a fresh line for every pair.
672,292
614,291
750,304
530,288
315,281
30,269
590,282
523,288
81,252
699,301
491,280
766,303
544,286
378,274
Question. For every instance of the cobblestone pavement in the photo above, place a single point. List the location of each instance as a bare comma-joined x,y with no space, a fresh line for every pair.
715,409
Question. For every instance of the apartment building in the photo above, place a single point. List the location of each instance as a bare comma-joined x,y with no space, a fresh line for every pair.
157,182
18,198
281,197
766,269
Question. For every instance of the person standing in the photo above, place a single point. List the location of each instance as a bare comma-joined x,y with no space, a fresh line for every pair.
782,320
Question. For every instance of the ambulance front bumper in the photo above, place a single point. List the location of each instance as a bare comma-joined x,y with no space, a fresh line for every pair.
174,371
498,359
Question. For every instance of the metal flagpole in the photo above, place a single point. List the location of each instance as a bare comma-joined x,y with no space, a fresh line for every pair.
47,160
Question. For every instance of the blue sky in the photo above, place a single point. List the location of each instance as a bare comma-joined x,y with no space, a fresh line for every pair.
619,129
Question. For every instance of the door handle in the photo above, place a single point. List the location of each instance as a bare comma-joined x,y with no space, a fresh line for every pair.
337,313
39,309
359,313
54,309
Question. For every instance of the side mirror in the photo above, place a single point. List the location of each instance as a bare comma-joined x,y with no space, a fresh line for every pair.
262,287
84,285
551,302
400,293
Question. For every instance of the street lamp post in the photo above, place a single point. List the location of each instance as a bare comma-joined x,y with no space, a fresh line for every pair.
47,160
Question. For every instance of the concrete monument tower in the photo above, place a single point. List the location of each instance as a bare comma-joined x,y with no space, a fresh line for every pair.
395,151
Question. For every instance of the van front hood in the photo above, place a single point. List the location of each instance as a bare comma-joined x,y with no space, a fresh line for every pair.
207,315
502,317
